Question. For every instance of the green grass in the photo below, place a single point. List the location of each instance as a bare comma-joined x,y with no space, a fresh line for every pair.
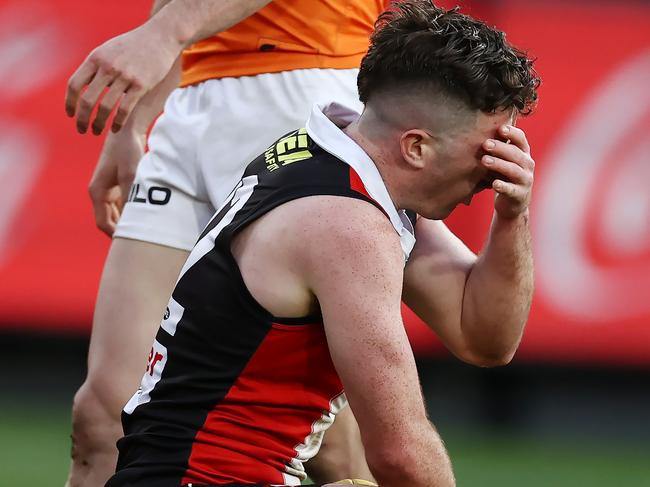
34,446
509,461
34,450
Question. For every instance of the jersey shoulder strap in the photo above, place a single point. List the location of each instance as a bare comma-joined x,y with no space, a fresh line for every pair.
291,168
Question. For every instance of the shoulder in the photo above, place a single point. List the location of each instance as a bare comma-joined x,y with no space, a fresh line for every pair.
345,236
345,219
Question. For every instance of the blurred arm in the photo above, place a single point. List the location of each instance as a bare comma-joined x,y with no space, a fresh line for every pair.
190,21
203,18
130,66
354,266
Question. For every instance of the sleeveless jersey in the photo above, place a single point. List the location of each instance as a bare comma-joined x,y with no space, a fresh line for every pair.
232,394
286,35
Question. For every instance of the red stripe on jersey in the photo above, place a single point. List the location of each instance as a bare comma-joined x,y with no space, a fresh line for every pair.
357,185
284,389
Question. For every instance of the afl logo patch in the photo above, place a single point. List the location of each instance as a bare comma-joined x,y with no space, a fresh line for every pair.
166,315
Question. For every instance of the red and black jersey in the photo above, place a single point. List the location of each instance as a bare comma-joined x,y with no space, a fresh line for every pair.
233,394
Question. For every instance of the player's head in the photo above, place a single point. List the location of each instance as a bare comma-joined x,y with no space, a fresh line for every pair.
436,84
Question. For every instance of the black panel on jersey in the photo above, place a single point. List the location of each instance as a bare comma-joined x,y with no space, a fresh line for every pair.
221,328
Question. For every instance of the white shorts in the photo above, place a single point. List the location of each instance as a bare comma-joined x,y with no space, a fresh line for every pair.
208,133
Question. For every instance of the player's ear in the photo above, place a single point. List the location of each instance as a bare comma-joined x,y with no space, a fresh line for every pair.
417,148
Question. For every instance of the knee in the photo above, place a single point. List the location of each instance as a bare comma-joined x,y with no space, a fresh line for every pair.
347,459
341,455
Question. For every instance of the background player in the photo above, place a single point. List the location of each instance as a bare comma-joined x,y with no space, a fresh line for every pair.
226,113
295,284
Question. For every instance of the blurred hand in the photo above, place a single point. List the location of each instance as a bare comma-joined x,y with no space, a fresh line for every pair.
513,162
110,183
127,66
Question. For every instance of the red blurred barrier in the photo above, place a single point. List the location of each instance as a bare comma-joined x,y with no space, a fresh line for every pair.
590,138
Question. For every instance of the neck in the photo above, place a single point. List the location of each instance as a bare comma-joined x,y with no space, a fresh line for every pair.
371,142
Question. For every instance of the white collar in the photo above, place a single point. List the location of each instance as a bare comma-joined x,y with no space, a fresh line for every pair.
324,127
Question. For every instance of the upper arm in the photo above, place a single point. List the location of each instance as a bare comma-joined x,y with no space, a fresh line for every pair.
434,281
355,269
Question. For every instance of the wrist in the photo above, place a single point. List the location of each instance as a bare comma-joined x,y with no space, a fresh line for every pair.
128,131
516,220
506,213
174,28
139,121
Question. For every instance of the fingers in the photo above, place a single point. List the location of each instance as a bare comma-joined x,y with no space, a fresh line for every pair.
80,78
510,171
89,99
105,207
125,182
516,136
514,191
127,105
121,92
116,212
509,152
108,103
514,167
106,216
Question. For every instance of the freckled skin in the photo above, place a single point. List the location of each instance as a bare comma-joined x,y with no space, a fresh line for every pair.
348,256
343,256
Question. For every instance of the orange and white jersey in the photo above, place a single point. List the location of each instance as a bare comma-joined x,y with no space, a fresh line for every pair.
286,35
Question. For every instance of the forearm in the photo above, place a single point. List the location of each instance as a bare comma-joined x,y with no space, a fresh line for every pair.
185,21
189,21
414,457
402,446
498,291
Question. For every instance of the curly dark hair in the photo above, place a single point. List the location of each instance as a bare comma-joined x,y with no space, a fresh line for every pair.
415,42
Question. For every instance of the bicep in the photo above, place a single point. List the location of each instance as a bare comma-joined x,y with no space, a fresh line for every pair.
434,281
358,283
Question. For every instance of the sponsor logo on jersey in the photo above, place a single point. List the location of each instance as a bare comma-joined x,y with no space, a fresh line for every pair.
155,195
289,149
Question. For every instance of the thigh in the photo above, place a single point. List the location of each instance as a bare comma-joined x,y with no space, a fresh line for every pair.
168,203
136,284
166,210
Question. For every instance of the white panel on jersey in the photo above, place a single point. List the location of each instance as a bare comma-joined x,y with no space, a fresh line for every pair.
158,357
295,471
155,366
172,316
324,127
236,201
